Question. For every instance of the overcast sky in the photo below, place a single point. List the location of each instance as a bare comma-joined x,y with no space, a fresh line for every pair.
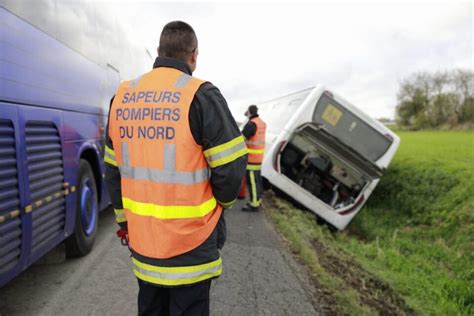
256,52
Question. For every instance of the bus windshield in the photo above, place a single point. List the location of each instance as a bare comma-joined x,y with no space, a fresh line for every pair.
350,129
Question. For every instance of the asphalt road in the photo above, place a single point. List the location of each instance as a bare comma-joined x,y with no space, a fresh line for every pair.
260,277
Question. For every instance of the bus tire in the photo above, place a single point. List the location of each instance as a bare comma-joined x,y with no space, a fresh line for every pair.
87,213
266,184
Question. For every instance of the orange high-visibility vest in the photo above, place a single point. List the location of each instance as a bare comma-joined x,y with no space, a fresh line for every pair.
166,190
256,143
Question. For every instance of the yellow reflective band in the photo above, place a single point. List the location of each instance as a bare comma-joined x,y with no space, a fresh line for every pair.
227,204
225,153
169,211
225,146
253,185
120,219
176,275
48,199
230,158
119,215
256,151
254,167
110,161
256,204
109,150
188,269
171,282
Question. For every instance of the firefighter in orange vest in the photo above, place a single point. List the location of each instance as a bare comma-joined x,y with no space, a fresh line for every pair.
175,159
254,133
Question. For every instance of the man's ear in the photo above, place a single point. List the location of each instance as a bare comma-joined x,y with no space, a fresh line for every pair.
194,56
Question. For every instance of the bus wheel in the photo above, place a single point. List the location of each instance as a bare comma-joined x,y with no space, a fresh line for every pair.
266,184
87,213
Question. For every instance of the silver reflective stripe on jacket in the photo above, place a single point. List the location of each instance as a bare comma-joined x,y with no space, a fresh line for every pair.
183,80
176,276
166,175
225,153
133,83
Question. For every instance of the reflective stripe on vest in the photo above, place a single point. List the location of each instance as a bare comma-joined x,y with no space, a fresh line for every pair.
169,211
256,143
119,216
173,276
255,151
166,190
254,167
166,175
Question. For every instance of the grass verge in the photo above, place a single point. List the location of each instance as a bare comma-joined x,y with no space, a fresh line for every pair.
415,235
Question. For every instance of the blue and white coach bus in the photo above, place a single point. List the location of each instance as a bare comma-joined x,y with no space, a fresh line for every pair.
60,63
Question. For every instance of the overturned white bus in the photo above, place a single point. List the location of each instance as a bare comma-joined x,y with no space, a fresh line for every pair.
324,152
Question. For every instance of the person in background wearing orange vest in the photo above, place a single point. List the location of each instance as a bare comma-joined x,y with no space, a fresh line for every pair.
175,159
254,133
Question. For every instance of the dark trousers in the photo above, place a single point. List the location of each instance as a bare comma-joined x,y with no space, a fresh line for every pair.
254,185
183,300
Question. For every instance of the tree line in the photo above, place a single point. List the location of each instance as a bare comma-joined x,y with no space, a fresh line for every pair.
430,100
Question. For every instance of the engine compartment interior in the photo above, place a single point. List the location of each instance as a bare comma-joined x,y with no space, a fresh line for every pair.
320,171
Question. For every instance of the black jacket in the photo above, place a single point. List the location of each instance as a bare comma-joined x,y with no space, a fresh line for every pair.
250,128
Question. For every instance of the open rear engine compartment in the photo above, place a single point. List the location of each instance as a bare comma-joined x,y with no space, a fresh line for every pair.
320,170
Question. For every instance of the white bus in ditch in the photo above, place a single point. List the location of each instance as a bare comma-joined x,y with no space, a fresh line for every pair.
324,152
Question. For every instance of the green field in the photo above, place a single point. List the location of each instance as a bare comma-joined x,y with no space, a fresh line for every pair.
415,235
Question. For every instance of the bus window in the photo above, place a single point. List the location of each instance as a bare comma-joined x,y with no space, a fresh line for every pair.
280,111
77,28
39,13
350,129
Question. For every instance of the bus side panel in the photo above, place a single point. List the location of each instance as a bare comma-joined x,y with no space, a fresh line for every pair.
15,237
35,68
49,200
85,133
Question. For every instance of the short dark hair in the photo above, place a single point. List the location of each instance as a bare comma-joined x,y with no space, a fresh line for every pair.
253,110
177,40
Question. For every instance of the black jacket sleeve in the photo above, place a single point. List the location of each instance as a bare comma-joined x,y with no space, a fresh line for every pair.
214,128
249,129
112,178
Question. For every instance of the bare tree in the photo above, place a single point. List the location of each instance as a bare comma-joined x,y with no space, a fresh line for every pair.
463,81
433,99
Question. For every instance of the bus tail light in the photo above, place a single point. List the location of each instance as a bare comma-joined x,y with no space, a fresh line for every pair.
388,136
353,208
329,94
276,157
